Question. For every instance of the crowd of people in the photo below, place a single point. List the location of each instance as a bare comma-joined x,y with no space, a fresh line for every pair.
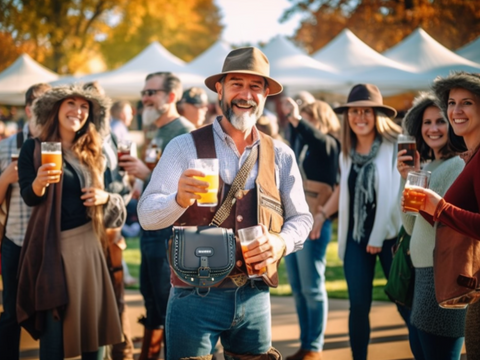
64,227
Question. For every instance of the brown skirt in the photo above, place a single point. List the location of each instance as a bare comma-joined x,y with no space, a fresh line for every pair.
91,317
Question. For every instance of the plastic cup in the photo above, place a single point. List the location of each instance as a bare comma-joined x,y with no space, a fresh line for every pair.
247,236
210,168
414,200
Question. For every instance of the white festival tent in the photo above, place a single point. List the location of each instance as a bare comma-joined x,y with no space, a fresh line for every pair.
471,51
210,62
425,56
423,53
297,71
127,81
352,57
18,77
348,54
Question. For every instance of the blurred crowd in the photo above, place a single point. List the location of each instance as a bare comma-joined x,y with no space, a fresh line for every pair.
64,228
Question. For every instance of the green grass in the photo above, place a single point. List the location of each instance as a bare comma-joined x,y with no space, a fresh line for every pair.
335,280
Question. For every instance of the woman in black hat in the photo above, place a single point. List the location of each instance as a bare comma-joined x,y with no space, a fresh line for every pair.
65,295
366,200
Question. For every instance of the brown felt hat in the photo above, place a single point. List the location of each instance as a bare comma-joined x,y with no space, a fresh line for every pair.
366,95
246,60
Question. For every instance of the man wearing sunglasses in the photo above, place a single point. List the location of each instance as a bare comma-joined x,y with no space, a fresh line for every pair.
161,92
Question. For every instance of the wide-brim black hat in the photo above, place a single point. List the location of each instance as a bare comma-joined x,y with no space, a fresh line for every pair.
366,95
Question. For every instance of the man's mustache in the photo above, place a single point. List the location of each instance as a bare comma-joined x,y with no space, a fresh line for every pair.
244,102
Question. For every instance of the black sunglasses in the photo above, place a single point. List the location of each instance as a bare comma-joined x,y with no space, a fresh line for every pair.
151,92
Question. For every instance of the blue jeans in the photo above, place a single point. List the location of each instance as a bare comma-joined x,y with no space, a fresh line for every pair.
239,317
155,276
359,268
51,342
306,274
9,328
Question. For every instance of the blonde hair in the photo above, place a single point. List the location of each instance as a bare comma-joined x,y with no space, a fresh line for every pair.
325,119
384,126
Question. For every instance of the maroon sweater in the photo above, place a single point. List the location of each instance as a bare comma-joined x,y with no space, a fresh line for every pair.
460,207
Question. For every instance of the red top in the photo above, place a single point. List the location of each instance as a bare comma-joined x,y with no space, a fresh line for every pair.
460,207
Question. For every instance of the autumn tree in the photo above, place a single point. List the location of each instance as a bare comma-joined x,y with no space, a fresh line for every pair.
383,23
63,31
185,27
64,34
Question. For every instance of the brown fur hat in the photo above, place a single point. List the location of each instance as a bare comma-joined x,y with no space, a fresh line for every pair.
100,105
460,79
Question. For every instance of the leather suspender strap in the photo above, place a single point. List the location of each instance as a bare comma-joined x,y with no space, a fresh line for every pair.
238,184
205,145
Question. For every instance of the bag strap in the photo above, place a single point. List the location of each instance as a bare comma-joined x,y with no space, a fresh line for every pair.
238,184
205,145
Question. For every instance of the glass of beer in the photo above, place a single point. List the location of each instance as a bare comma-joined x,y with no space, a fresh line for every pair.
210,168
247,236
152,155
14,156
52,154
123,148
407,142
414,200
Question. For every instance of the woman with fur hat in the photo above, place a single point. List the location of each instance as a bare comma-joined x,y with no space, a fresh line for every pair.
65,296
435,333
459,99
366,201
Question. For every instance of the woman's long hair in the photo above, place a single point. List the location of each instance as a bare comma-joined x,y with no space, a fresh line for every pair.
384,126
325,119
425,151
87,147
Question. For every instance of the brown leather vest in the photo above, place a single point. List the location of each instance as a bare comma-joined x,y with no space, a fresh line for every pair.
261,205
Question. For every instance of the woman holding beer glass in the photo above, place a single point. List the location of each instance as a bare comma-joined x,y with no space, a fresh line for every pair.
459,99
435,333
366,200
65,296
318,127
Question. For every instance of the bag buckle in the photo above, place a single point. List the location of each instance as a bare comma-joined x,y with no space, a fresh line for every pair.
203,272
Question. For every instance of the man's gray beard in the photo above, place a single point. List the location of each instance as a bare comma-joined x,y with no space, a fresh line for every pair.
150,115
245,121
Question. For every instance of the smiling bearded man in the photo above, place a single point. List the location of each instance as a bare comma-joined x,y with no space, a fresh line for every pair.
247,119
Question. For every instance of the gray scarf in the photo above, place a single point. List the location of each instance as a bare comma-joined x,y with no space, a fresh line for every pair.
364,186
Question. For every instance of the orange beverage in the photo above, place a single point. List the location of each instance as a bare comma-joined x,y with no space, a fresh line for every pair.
252,272
209,198
414,200
52,157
